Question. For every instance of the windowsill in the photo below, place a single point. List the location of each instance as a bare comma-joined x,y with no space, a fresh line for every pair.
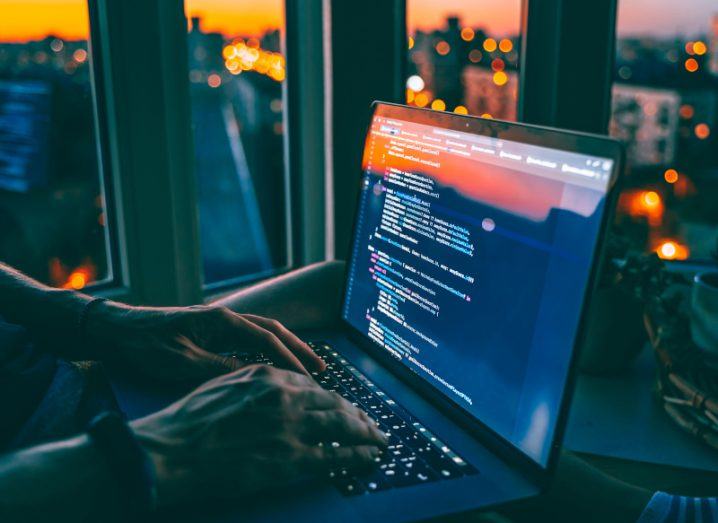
218,290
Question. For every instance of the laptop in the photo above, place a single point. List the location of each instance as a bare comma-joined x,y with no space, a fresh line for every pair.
475,247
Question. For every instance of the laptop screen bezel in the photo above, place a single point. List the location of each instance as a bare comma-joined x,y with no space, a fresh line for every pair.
594,145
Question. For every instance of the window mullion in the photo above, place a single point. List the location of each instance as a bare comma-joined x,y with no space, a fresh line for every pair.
567,63
306,114
148,111
360,75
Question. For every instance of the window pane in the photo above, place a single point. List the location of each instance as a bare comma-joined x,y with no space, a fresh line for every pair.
665,107
236,72
52,220
464,56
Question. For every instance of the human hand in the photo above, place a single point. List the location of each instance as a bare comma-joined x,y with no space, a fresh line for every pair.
250,430
183,344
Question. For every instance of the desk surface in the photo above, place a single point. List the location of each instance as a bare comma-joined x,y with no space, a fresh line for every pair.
620,417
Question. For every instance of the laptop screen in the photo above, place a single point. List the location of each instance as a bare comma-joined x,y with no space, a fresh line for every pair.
470,261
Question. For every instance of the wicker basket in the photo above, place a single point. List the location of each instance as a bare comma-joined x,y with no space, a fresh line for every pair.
687,387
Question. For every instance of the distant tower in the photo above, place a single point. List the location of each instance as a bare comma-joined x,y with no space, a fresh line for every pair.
196,24
447,69
713,66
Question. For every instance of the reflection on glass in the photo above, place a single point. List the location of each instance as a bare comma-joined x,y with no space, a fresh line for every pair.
236,73
52,220
464,56
665,108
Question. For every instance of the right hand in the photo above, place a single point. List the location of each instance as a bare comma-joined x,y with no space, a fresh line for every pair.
255,428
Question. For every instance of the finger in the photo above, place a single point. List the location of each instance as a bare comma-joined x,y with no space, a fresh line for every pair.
324,457
291,340
219,364
271,345
204,365
341,427
316,398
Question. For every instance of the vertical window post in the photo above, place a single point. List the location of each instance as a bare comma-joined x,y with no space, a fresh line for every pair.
148,109
363,70
568,54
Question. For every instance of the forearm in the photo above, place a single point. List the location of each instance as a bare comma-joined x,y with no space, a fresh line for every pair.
63,481
51,314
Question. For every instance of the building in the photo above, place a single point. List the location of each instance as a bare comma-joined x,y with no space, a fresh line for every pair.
646,120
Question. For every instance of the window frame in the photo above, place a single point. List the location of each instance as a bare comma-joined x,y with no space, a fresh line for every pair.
148,163
571,89
143,57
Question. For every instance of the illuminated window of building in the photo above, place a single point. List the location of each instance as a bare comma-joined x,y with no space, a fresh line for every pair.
53,224
237,69
464,54
665,108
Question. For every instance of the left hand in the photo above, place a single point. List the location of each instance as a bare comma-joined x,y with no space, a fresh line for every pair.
184,344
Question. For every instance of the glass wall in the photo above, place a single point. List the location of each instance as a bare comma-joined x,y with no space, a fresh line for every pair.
665,108
237,69
52,217
464,56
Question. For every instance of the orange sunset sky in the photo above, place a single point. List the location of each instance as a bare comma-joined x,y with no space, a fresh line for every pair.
22,20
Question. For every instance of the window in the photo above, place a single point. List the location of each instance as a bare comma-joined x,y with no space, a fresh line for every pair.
665,108
464,56
237,70
52,217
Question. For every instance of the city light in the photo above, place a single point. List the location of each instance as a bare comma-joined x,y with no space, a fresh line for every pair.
497,64
80,55
699,48
689,48
460,109
248,56
229,52
438,105
421,100
409,96
411,42
691,65
415,83
475,56
443,48
57,45
686,111
651,199
500,78
672,250
643,204
506,45
467,34
487,115
671,175
624,72
490,45
702,131
214,80
78,278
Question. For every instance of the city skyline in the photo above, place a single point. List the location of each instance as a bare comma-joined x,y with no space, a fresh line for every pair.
26,20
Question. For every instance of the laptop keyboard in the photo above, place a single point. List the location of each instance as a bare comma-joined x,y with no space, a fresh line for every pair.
414,454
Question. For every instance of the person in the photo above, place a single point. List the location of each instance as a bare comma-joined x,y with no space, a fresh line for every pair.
243,430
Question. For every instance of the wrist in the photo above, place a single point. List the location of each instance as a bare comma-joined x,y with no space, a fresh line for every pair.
103,327
128,462
173,472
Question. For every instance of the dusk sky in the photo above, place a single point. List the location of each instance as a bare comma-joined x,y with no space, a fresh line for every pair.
22,20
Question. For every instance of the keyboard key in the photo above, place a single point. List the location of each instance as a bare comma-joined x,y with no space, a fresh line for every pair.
414,454
350,487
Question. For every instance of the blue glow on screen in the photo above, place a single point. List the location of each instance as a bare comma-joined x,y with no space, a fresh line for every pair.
470,263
